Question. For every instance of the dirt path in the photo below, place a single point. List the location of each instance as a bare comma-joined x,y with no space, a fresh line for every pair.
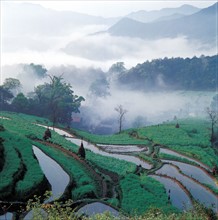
95,175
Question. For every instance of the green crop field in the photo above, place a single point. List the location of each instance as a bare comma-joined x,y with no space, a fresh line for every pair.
191,138
122,138
126,187
140,193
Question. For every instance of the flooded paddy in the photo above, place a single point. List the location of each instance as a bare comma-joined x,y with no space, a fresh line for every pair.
121,148
178,196
198,192
170,152
54,173
194,172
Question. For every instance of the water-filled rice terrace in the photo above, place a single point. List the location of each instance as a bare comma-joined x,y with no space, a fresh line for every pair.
158,166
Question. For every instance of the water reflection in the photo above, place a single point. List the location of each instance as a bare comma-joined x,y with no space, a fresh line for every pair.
96,150
198,192
54,173
178,196
194,172
167,151
121,148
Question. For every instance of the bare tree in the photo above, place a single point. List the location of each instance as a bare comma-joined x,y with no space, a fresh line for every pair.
121,111
213,119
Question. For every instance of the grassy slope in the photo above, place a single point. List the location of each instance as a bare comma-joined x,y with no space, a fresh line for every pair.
19,150
190,138
19,127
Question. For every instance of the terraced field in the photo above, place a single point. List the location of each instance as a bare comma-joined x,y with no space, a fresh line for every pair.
130,171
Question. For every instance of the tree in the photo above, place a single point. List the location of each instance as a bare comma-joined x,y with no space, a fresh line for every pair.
81,151
12,84
117,67
116,71
121,113
213,116
5,97
57,100
100,87
39,70
20,103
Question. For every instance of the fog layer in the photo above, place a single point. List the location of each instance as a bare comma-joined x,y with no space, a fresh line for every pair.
98,112
79,48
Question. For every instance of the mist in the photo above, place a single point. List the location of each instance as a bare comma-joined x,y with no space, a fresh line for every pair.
25,73
33,34
100,51
79,48
143,108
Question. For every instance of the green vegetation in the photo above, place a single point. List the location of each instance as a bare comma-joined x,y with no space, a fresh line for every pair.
176,158
191,139
195,74
141,193
121,138
22,127
33,175
54,100
191,132
120,167
9,169
23,174
83,182
60,211
133,192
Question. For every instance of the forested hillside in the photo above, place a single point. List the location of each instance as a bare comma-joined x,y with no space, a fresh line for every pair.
174,73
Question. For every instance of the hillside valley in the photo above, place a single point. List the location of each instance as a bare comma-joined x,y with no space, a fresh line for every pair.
155,146
109,110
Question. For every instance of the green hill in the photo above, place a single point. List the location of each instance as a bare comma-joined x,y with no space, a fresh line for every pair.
192,74
119,183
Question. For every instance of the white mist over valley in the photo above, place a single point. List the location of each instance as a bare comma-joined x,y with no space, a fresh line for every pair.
82,48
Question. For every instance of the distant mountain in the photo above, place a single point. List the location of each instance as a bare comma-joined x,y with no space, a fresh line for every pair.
199,26
170,17
35,19
150,16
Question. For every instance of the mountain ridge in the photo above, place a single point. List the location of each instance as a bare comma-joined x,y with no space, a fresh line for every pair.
150,16
198,26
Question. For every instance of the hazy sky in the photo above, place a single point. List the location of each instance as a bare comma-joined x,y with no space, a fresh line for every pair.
116,8
25,41
47,39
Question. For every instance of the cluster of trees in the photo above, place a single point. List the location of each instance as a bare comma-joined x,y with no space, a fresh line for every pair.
197,73
54,100
175,73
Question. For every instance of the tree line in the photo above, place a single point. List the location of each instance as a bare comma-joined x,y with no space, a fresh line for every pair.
54,100
174,73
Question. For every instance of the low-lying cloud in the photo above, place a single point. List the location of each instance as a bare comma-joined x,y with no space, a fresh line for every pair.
100,50
81,57
104,47
143,108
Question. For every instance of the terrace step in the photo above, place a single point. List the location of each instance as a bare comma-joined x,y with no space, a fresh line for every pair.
96,176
